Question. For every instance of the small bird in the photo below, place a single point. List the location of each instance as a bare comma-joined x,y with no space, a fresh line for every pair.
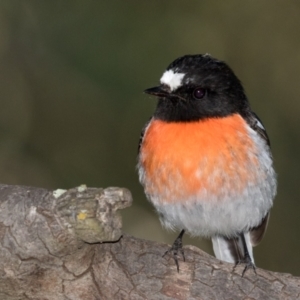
205,161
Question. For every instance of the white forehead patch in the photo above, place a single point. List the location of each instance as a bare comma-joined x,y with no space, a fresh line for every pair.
172,79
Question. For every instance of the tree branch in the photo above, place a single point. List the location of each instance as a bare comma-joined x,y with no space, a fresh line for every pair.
67,245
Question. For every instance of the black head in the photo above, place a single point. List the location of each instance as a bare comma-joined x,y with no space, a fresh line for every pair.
195,87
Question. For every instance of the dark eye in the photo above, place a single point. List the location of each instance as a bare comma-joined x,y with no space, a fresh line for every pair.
199,93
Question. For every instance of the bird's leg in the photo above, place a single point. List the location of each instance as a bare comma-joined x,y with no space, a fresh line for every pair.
177,247
246,259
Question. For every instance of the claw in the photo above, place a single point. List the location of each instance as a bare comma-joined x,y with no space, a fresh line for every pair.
176,247
248,265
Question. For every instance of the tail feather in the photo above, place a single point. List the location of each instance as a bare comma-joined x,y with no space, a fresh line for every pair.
231,249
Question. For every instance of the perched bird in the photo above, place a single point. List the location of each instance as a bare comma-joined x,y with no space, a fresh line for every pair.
205,161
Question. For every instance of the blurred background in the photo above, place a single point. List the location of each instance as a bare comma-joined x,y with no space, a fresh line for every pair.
72,75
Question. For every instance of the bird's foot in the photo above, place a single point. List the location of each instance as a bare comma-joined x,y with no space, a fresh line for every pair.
248,265
175,249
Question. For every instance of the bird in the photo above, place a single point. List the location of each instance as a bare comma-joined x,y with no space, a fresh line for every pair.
205,162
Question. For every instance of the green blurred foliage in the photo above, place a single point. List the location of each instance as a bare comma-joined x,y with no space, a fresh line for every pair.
72,75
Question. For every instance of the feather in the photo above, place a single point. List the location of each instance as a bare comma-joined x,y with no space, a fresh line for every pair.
231,249
257,233
257,125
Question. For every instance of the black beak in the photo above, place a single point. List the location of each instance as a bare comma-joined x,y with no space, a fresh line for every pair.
159,91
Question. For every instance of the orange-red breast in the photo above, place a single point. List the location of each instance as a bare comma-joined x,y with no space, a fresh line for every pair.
205,161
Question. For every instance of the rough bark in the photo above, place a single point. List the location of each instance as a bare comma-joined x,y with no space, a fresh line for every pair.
68,245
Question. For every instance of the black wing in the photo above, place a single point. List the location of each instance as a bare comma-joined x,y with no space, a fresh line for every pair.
256,124
142,134
257,233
